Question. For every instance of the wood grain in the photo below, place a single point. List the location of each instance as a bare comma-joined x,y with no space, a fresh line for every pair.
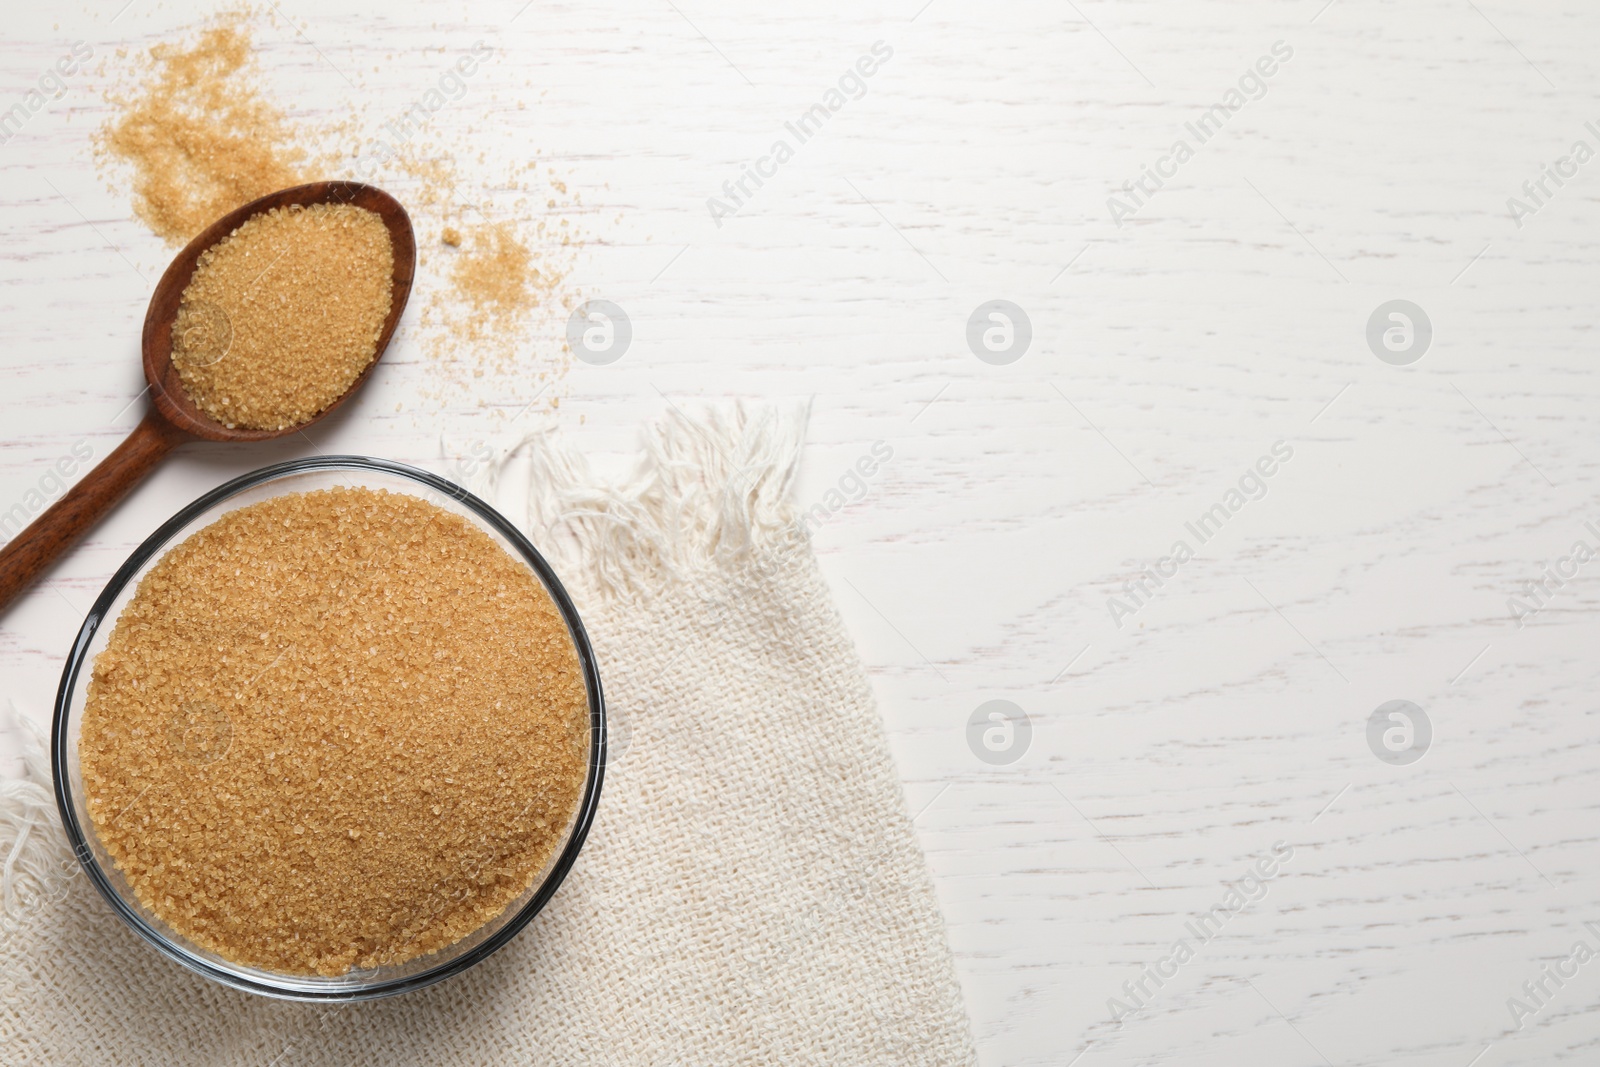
27,554
1167,356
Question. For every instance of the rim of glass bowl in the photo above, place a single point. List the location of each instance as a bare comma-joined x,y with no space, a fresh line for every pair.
556,871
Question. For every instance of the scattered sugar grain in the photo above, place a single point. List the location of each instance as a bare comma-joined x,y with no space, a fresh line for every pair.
198,133
202,136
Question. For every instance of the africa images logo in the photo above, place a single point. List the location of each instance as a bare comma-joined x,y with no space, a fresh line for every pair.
1252,85
1253,485
852,85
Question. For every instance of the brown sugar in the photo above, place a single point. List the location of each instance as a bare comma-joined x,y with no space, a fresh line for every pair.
283,314
199,135
196,125
497,290
505,268
497,275
334,729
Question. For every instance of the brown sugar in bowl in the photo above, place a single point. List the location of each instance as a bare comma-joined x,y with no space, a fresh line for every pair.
382,799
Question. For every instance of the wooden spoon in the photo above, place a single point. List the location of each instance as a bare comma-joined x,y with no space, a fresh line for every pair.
173,418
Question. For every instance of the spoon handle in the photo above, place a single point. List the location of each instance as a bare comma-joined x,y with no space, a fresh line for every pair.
36,547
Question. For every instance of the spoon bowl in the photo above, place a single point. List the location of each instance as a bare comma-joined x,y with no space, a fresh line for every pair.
167,394
174,418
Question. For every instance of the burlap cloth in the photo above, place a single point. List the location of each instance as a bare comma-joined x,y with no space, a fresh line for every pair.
751,892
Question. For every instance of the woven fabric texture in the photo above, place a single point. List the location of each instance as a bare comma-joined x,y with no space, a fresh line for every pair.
751,891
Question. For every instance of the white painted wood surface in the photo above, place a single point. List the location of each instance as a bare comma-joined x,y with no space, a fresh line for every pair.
1168,354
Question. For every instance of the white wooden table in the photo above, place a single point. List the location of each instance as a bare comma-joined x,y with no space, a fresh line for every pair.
1226,313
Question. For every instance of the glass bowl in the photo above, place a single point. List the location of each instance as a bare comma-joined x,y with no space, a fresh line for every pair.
300,476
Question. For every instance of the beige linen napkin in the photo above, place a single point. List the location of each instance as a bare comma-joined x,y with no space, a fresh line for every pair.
751,891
